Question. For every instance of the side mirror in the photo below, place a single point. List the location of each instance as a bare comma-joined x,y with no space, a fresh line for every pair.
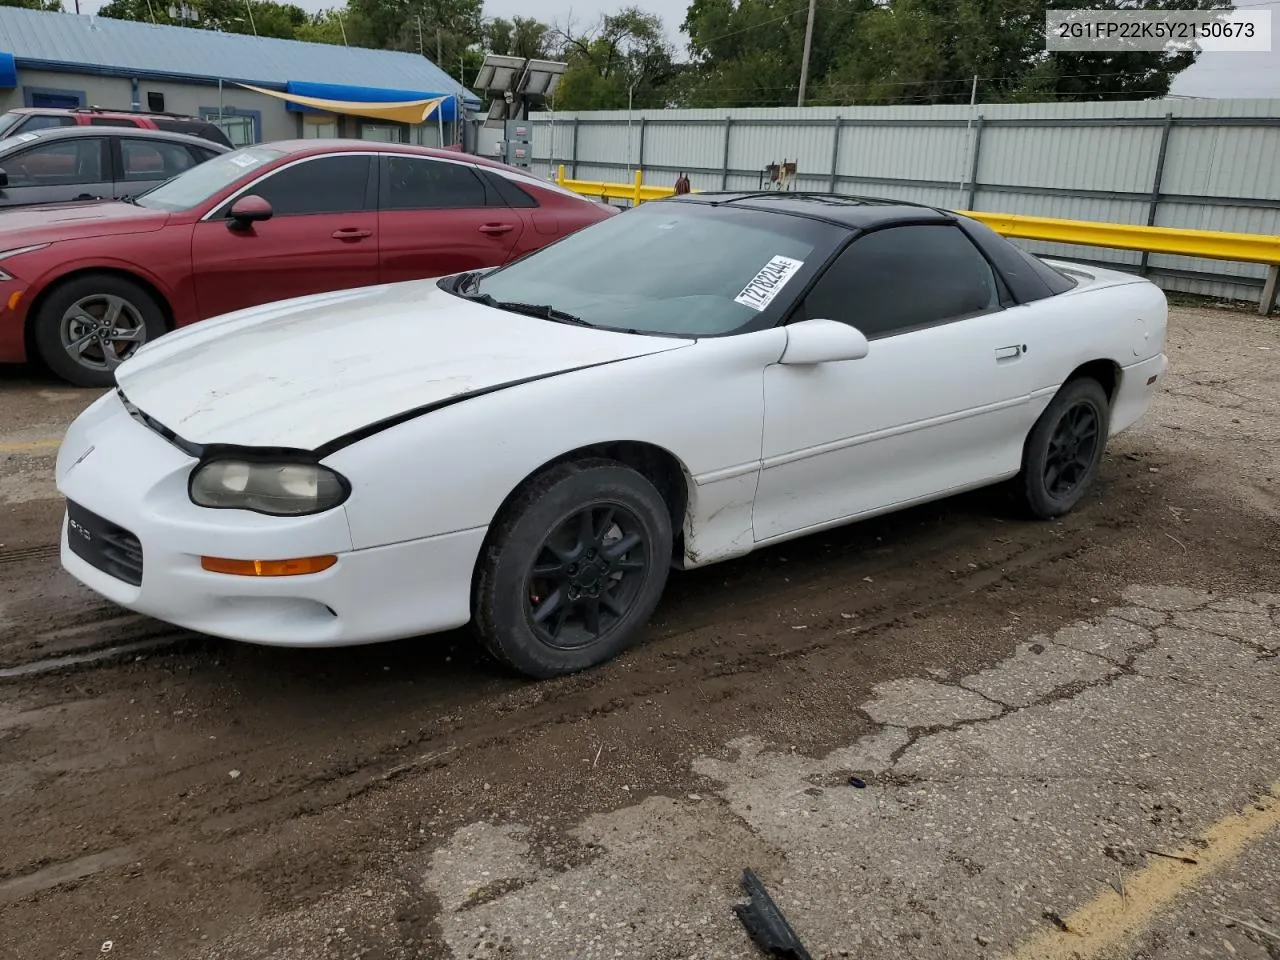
823,341
247,211
4,179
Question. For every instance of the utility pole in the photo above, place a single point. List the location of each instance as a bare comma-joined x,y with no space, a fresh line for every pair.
439,48
808,48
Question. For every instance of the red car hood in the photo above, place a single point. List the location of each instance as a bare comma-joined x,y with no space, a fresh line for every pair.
46,223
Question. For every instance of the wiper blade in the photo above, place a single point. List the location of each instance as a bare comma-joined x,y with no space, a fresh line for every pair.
542,310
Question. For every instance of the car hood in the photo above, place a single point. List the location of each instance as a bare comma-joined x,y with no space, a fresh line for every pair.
48,222
302,373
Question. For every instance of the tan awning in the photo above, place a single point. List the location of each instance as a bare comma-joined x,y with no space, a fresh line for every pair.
408,111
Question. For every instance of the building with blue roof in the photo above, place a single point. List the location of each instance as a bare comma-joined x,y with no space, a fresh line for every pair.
68,60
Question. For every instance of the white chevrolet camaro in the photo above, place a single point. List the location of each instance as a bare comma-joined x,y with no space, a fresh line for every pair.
531,449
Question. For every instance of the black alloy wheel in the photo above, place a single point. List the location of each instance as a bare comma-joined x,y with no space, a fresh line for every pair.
573,568
1064,450
1072,450
587,576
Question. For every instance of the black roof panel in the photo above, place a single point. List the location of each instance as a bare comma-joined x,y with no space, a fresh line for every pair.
857,213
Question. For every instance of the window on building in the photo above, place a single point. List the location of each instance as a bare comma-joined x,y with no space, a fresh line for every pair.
323,129
153,159
239,130
381,132
425,134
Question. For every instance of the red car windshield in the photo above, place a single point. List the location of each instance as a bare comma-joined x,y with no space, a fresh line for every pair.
195,186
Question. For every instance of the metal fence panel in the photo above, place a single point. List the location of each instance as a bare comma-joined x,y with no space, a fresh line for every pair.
1204,164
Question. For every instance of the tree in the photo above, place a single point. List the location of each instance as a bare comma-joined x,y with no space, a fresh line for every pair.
50,6
327,26
263,17
748,52
518,37
928,51
441,30
624,58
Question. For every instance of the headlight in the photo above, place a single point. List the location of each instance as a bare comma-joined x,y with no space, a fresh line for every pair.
279,489
15,251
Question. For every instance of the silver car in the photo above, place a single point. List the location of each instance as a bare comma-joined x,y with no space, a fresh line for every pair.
57,165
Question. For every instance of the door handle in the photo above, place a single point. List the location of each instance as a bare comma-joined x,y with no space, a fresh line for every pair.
1009,353
496,228
352,233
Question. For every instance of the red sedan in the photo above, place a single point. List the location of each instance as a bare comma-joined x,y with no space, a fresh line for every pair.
83,285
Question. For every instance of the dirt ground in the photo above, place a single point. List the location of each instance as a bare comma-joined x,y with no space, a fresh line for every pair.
180,796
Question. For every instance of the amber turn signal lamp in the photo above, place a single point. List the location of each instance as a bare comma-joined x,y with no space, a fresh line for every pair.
268,568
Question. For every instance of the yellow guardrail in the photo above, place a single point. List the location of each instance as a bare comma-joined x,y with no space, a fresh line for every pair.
1205,244
636,192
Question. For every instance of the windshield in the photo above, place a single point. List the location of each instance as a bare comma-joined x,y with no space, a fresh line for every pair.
8,121
671,268
8,143
195,186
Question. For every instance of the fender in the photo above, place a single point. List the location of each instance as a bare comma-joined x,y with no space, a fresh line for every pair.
179,302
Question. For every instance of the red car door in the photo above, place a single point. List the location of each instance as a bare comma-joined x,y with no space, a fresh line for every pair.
438,217
322,236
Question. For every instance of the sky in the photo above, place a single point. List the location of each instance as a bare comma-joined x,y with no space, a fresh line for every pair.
1215,74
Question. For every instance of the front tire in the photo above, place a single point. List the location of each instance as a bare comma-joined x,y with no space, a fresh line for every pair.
89,325
573,569
1064,449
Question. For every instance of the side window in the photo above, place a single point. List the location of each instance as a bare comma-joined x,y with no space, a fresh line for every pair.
333,184
153,159
900,278
170,126
201,155
507,191
59,162
41,121
112,122
416,183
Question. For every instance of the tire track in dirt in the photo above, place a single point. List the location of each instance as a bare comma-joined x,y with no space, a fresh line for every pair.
521,711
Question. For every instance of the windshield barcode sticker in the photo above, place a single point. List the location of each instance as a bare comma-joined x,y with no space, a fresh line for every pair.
243,160
768,283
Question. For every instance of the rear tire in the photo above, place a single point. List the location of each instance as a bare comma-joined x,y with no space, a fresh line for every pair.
1064,449
89,325
573,569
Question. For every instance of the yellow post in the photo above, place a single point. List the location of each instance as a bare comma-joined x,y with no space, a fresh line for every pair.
560,175
639,184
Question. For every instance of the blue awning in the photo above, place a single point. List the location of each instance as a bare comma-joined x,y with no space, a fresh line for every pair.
350,94
8,72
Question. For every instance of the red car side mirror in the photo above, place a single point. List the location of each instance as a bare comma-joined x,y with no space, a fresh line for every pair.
247,211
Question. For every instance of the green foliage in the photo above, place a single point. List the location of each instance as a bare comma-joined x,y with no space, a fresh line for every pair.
748,52
625,59
266,18
50,6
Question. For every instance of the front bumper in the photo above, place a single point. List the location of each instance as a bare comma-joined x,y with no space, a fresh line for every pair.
14,294
127,487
